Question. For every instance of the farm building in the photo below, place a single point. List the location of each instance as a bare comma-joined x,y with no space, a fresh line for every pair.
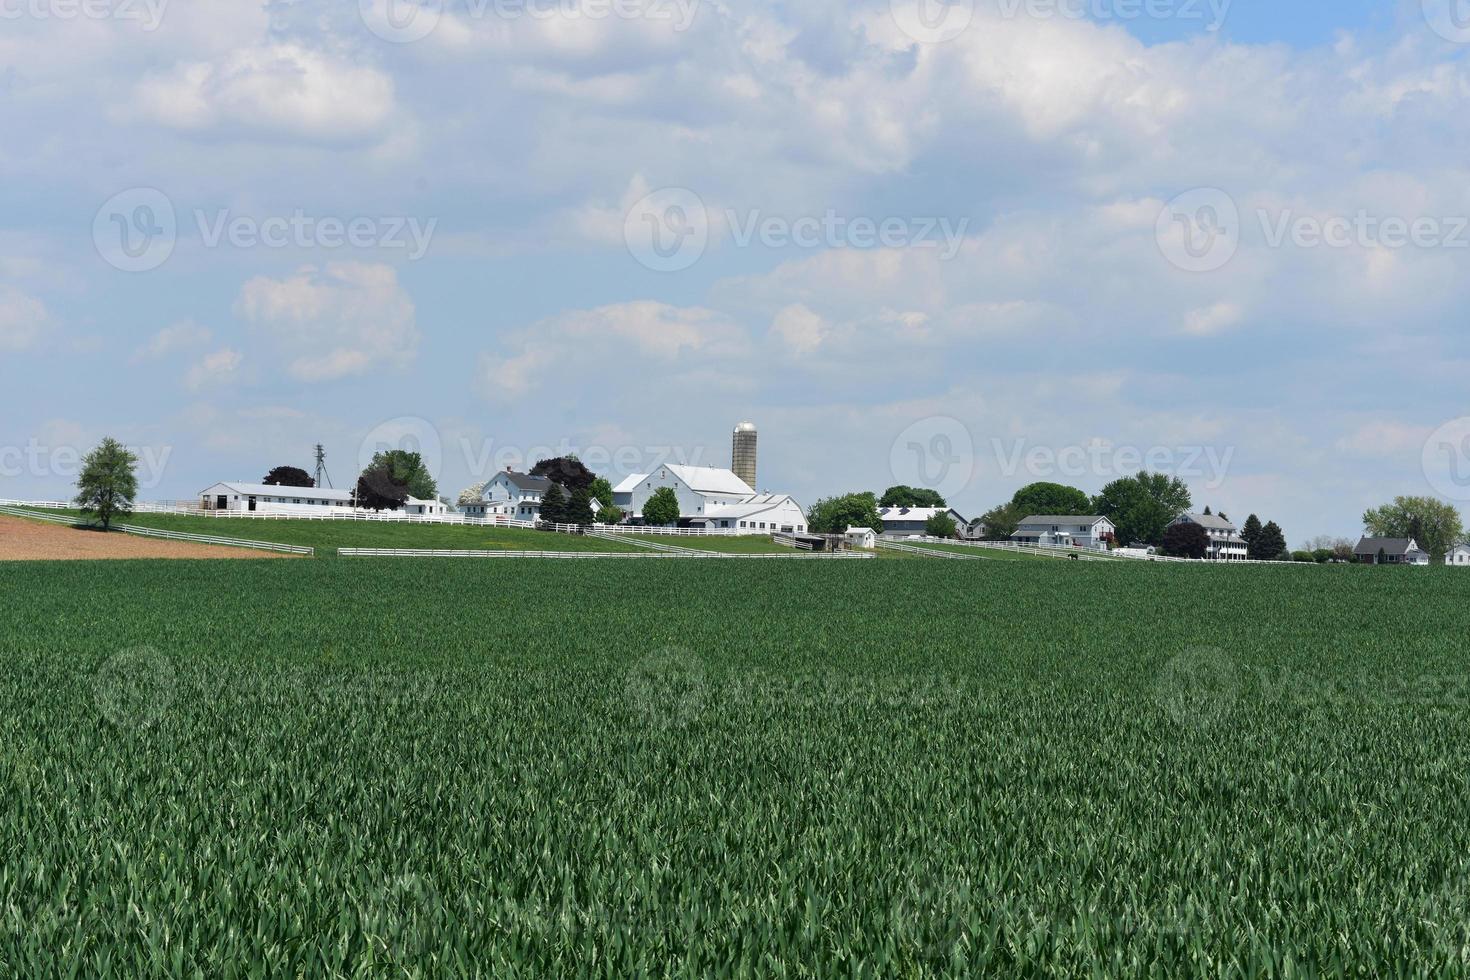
903,521
260,498
514,495
712,498
1390,551
1052,531
861,537
1459,556
1226,544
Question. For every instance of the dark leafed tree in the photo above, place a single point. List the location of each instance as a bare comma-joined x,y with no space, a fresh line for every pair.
834,515
379,488
902,496
566,470
554,505
288,476
107,484
1051,498
1271,545
1001,522
662,509
407,470
1186,541
579,508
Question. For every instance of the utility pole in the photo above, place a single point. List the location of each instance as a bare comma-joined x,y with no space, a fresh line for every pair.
322,479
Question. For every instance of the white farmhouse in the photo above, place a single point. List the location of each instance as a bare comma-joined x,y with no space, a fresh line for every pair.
513,495
1459,556
1053,531
712,498
1226,544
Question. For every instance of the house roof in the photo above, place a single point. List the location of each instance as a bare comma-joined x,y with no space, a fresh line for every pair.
1212,521
710,479
916,513
261,490
860,530
1054,519
630,483
755,504
1389,546
525,481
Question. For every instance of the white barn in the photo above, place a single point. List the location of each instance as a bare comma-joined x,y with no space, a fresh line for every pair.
713,498
260,498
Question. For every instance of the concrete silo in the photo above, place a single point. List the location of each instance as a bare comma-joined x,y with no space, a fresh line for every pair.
742,453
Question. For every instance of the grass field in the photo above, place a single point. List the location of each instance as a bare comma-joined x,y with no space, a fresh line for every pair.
742,545
327,536
867,769
992,554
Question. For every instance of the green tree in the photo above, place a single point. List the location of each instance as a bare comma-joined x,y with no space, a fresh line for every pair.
601,491
834,515
941,525
902,496
379,488
662,509
1051,498
1001,522
1251,532
1186,541
1435,525
288,476
579,508
554,506
567,470
1142,506
1271,545
404,470
108,483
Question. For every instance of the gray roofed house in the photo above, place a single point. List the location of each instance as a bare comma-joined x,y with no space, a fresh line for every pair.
1390,551
1226,544
1065,531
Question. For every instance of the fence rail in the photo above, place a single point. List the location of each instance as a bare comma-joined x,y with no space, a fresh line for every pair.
653,555
153,532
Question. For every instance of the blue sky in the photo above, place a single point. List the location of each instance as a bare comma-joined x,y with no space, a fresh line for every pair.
640,224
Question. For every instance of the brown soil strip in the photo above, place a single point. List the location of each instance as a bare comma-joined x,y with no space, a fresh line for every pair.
22,540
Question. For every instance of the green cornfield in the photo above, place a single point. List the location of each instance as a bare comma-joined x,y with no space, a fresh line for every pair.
617,769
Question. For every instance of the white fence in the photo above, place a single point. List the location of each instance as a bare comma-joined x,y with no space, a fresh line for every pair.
1084,554
152,532
653,555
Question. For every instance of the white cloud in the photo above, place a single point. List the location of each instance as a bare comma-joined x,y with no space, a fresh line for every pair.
184,335
22,319
273,90
800,329
1210,320
213,370
345,319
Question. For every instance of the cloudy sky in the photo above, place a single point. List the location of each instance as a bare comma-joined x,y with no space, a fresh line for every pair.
968,245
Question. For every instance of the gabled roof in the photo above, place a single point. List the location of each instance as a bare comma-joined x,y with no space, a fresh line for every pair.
261,490
630,483
709,479
916,513
525,481
1214,522
752,505
1054,519
1389,546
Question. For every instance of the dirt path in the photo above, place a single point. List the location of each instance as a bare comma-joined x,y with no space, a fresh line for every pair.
22,540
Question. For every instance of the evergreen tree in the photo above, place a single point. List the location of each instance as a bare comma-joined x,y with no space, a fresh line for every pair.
1251,532
1271,544
554,506
1207,510
107,484
579,508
